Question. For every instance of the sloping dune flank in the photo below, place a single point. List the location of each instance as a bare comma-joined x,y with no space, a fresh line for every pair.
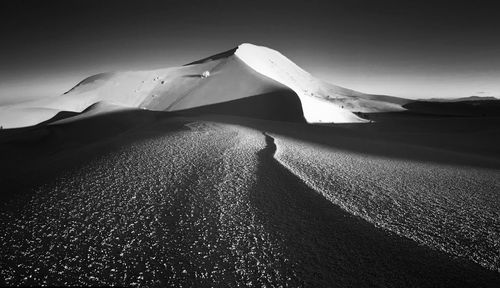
281,105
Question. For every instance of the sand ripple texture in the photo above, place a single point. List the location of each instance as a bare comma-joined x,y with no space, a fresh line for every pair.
450,208
210,206
168,211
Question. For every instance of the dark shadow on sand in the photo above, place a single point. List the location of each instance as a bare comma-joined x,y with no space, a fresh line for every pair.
192,76
330,247
281,105
31,156
35,155
453,141
214,57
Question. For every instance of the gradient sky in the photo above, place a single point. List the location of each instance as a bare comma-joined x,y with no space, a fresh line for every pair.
414,49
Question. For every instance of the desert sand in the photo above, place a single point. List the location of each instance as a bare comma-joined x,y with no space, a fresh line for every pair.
176,177
245,71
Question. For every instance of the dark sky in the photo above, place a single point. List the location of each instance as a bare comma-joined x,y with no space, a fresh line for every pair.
404,48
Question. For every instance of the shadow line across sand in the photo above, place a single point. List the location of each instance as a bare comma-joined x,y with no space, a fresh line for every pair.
328,246
458,142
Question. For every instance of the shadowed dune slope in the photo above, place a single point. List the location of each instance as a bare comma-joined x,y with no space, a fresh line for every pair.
278,106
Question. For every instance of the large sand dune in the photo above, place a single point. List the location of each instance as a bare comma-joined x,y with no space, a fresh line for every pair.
245,71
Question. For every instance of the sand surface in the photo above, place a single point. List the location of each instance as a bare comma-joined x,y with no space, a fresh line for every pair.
161,200
209,175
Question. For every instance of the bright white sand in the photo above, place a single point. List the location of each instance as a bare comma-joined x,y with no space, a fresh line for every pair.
276,66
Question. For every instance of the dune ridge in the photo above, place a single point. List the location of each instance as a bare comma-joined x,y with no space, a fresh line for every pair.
245,71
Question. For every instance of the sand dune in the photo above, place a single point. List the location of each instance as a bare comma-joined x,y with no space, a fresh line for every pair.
245,71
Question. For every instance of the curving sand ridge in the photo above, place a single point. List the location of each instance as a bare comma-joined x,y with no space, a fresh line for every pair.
25,116
276,66
245,71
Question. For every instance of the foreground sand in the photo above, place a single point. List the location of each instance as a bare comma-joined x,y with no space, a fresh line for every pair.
223,201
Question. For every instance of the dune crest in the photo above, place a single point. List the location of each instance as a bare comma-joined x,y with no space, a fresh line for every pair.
276,66
245,71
